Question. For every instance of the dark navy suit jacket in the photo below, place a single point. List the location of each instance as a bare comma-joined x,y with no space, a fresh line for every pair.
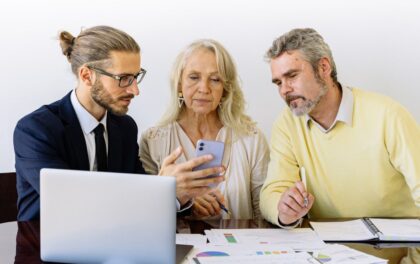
51,137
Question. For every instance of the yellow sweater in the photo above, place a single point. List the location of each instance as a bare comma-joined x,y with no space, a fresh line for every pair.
368,169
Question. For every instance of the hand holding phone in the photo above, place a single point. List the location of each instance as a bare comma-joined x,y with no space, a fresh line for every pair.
190,184
215,148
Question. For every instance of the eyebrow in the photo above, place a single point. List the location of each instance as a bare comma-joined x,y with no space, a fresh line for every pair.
128,74
286,74
198,72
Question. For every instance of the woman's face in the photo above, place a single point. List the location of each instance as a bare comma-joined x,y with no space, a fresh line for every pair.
201,84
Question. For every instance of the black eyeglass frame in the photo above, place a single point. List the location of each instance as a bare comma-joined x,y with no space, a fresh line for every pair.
121,77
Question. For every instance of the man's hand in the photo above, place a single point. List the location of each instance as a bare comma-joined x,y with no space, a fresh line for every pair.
208,204
291,206
189,183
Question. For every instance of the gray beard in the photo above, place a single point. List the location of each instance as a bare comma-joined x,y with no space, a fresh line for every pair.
309,105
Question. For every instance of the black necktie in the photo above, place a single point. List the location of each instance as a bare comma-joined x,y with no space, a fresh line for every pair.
100,147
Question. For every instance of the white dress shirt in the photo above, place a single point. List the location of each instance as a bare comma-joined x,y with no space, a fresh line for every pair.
344,114
88,123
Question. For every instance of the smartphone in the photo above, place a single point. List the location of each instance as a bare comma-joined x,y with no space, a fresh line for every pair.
215,148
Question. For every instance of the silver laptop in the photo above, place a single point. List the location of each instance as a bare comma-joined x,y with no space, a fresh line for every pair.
102,217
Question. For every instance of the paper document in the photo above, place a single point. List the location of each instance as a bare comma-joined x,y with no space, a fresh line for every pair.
191,239
236,250
297,239
397,229
354,230
298,258
369,229
239,250
335,253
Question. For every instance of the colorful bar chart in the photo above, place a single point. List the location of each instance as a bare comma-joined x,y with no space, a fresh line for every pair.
230,238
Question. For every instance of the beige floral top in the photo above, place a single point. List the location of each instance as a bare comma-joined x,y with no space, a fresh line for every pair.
245,159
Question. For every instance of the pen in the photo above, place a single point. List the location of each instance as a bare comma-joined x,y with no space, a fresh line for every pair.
303,178
223,207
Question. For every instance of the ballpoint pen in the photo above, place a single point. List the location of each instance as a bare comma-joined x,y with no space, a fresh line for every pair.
223,207
303,178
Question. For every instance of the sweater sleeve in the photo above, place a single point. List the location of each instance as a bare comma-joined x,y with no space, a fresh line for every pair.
283,170
402,140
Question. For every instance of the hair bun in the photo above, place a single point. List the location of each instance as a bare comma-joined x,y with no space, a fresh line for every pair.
66,43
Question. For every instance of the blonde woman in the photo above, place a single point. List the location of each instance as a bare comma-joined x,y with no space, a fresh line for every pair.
207,103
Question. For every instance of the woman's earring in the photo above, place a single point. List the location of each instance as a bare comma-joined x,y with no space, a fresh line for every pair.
221,102
180,99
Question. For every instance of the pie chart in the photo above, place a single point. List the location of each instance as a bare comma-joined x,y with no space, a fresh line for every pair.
212,254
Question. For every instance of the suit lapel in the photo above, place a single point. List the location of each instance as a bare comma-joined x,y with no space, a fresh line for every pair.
73,136
115,144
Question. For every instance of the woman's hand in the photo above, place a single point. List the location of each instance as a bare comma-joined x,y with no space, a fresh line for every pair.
208,204
189,183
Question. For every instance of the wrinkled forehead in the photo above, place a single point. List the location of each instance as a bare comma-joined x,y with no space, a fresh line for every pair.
286,61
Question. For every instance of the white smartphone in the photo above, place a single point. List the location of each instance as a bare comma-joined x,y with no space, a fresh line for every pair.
215,148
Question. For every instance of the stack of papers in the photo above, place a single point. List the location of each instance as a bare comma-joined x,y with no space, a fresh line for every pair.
301,239
268,246
264,254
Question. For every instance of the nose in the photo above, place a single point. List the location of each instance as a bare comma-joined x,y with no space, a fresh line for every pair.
133,89
204,86
285,89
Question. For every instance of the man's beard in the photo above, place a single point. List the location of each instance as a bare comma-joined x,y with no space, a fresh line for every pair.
104,99
307,105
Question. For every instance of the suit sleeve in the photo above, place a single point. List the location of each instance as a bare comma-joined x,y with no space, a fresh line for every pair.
35,148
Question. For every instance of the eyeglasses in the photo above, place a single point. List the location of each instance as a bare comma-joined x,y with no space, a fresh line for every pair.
125,80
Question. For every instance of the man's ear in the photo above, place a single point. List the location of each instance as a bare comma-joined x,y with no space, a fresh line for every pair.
86,76
324,67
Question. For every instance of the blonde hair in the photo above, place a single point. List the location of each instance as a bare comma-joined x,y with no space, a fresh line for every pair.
232,109
93,46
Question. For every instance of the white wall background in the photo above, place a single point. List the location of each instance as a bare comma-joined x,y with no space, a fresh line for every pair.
375,45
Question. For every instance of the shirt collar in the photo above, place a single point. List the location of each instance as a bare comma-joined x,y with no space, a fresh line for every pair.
87,121
345,110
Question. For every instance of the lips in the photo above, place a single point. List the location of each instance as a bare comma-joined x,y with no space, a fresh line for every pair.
126,99
203,101
292,99
125,102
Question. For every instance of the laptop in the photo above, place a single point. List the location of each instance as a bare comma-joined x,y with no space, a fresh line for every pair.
103,217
